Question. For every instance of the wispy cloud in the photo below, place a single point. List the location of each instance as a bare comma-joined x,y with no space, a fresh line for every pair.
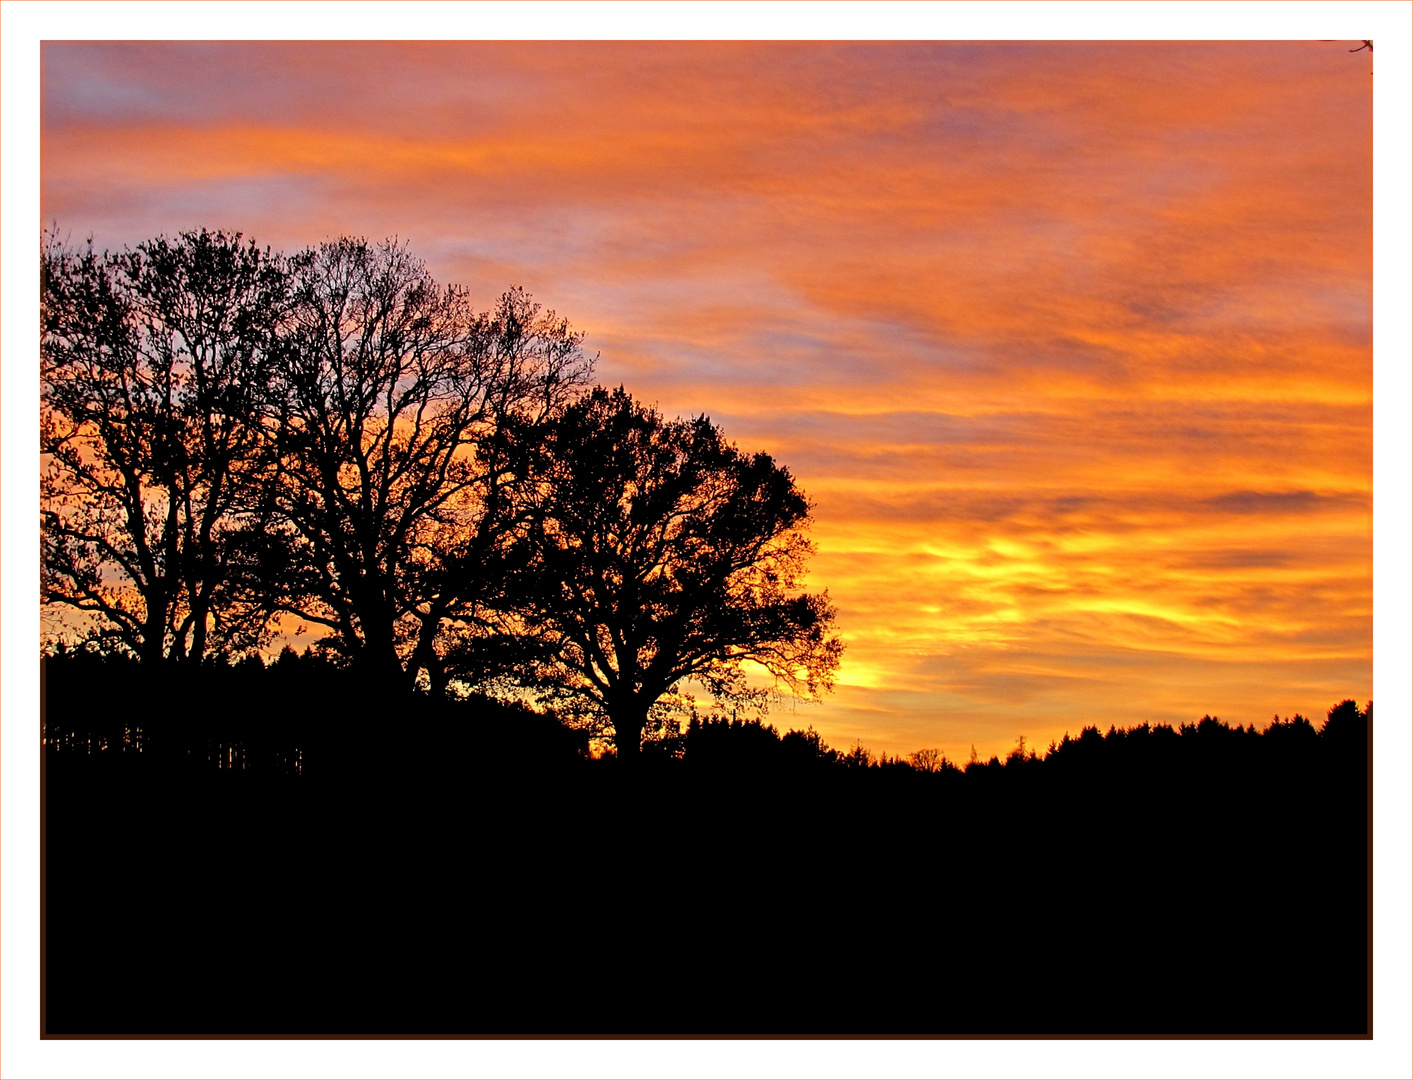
1070,344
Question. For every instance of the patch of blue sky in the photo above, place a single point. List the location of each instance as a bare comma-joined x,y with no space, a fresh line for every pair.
266,208
425,87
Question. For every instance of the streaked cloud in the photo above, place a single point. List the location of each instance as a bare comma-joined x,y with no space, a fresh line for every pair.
1070,344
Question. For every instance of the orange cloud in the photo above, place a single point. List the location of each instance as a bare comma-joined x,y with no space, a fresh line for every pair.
1070,344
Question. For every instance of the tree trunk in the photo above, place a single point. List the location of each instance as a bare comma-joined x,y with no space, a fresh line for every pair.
154,627
376,661
369,734
425,657
198,631
381,672
628,725
438,678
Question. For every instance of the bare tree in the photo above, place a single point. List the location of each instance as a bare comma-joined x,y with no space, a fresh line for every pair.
393,483
663,555
152,363
929,759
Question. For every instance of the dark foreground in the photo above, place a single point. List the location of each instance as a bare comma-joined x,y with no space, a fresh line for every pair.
1210,892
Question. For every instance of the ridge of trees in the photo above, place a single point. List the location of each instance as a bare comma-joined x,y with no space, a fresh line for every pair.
98,707
1092,889
231,436
726,741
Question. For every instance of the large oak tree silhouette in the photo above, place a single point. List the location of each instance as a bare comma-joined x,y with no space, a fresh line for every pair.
663,554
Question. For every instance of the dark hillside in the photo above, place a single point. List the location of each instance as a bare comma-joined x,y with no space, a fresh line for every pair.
465,868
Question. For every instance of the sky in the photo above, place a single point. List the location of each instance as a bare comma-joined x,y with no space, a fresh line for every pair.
1069,344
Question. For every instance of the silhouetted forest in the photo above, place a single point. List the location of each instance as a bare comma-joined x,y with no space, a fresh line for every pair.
237,442
263,849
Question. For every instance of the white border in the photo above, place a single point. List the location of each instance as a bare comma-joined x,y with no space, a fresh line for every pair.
24,24
596,20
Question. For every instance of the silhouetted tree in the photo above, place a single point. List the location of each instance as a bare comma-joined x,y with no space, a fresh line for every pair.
664,554
858,757
720,742
1296,727
1345,722
393,486
806,748
929,759
152,362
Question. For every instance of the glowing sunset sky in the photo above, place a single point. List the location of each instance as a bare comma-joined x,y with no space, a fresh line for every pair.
1069,344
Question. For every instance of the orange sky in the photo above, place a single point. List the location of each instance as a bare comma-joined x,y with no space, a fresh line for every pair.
1070,344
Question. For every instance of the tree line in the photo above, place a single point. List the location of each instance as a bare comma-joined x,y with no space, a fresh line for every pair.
233,436
99,707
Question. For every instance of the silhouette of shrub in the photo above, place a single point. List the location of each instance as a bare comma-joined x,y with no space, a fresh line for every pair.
806,748
735,743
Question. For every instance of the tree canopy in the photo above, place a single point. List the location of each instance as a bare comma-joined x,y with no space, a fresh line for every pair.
391,483
233,435
230,434
152,365
661,553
